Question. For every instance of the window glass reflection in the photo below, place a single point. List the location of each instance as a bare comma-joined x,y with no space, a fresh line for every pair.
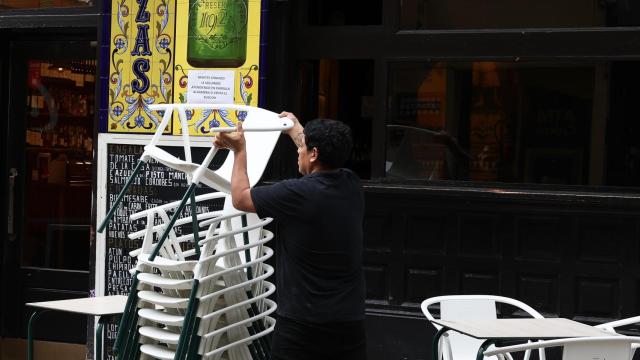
341,90
497,14
34,4
493,122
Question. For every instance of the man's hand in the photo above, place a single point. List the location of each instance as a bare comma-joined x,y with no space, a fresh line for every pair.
233,141
296,131
240,190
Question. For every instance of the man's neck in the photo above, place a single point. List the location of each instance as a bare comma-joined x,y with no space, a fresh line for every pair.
318,169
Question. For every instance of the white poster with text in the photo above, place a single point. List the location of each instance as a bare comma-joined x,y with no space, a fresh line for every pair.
210,86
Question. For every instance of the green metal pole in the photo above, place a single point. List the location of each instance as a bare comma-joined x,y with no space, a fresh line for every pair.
194,225
193,348
32,319
189,315
434,343
99,337
103,225
483,348
132,303
131,352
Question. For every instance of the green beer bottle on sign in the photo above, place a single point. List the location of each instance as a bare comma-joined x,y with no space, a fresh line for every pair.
217,33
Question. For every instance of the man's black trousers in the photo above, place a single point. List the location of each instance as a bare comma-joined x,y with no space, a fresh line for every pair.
296,340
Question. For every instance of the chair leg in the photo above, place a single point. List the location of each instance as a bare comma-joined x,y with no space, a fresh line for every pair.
447,346
99,337
194,346
435,344
36,314
187,332
194,224
485,345
127,316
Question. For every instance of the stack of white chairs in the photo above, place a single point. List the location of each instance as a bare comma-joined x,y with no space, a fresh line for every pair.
214,306
210,300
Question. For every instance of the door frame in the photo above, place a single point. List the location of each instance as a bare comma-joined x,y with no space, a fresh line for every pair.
16,279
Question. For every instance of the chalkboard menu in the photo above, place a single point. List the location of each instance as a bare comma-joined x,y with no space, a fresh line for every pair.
154,185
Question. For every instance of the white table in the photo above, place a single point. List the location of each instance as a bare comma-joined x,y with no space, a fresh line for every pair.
496,330
94,306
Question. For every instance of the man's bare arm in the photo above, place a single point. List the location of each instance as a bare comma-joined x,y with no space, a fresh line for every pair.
240,189
297,131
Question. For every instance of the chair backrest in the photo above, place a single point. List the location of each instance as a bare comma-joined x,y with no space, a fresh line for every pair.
464,307
462,347
460,309
262,130
260,144
454,307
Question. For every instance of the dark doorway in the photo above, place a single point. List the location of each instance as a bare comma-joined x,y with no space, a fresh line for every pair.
51,106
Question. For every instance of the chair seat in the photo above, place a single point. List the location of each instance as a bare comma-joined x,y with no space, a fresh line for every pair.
158,352
160,335
167,264
163,300
161,317
165,283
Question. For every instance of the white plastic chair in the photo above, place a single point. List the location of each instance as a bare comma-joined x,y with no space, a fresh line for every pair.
262,130
611,327
585,348
230,313
455,346
243,297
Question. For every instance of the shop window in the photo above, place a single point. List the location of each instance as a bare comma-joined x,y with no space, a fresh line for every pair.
496,122
34,4
504,14
60,107
341,90
345,13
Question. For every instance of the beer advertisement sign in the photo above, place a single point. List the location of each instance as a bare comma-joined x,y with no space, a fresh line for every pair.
182,51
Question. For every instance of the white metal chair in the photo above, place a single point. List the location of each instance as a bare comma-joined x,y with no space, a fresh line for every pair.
584,348
456,346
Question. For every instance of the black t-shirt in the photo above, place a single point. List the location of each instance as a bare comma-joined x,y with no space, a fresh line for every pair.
318,269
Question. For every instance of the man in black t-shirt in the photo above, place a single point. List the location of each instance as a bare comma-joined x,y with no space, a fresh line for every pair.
319,276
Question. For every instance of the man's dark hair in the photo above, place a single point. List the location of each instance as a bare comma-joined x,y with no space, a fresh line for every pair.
332,139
